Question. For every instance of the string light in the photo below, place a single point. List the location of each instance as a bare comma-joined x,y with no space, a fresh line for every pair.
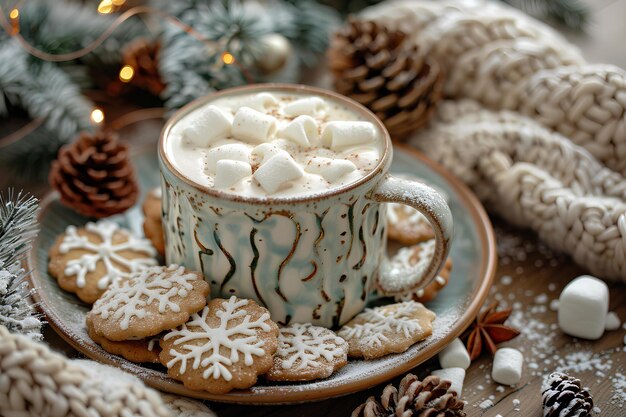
228,58
126,73
97,116
15,23
105,7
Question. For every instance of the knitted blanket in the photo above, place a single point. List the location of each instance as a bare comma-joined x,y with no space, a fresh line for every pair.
538,133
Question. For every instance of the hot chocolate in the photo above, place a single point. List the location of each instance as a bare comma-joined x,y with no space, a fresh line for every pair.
274,144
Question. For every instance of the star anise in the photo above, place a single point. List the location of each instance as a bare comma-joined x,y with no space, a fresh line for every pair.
488,330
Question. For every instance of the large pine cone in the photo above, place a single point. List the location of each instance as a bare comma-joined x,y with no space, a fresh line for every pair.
377,67
563,396
414,398
94,175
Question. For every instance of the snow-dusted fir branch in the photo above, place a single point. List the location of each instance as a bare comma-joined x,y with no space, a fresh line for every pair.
17,314
18,227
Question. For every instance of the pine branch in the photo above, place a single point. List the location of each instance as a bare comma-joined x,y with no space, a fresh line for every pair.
17,314
18,225
18,228
571,13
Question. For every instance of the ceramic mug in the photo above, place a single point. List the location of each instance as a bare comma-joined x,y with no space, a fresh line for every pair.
310,258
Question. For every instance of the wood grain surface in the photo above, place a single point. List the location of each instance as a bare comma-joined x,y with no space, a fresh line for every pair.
533,276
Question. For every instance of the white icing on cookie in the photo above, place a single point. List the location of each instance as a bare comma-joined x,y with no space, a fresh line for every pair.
306,344
383,321
106,252
238,339
413,216
127,299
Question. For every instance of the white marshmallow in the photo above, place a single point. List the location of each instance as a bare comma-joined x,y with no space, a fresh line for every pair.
340,135
330,169
583,306
310,106
253,126
232,151
507,366
277,171
612,321
302,130
263,152
261,102
228,172
207,126
455,375
455,355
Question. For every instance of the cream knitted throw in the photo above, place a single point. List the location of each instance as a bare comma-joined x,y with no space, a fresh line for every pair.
540,130
535,178
502,58
36,382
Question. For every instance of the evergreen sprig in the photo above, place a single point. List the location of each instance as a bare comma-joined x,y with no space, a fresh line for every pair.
18,225
571,13
18,228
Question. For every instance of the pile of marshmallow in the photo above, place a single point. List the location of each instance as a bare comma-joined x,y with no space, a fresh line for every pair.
262,149
583,312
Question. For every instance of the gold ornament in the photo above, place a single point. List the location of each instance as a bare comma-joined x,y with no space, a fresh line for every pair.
276,50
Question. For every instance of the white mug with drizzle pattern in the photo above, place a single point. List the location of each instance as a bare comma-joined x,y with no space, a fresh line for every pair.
308,258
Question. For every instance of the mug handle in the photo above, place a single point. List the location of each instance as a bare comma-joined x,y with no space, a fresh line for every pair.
433,206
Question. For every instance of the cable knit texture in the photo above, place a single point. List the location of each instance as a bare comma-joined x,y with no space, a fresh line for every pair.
538,133
504,59
36,382
535,178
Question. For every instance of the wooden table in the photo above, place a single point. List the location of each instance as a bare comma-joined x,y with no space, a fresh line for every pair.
533,276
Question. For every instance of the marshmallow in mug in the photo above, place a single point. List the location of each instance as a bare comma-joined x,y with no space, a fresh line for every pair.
277,144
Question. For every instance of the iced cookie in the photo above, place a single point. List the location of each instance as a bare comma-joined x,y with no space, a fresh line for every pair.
87,260
306,352
152,224
410,258
139,351
225,346
407,225
151,301
387,329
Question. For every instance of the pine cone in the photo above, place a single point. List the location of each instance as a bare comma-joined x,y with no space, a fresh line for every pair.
377,67
414,398
94,175
563,396
143,57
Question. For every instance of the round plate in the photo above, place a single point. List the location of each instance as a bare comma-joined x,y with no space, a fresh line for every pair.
472,251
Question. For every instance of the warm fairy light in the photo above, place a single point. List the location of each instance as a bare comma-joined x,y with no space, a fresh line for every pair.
97,116
127,73
105,7
228,58
14,14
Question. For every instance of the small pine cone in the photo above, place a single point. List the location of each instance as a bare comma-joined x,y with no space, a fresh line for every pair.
563,396
94,175
414,398
376,66
143,57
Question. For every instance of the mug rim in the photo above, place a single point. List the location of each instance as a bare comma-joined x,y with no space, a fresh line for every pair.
379,169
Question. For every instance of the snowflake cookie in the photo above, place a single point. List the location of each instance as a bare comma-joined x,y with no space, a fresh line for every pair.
151,301
141,350
306,352
225,346
87,260
407,225
387,329
410,258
